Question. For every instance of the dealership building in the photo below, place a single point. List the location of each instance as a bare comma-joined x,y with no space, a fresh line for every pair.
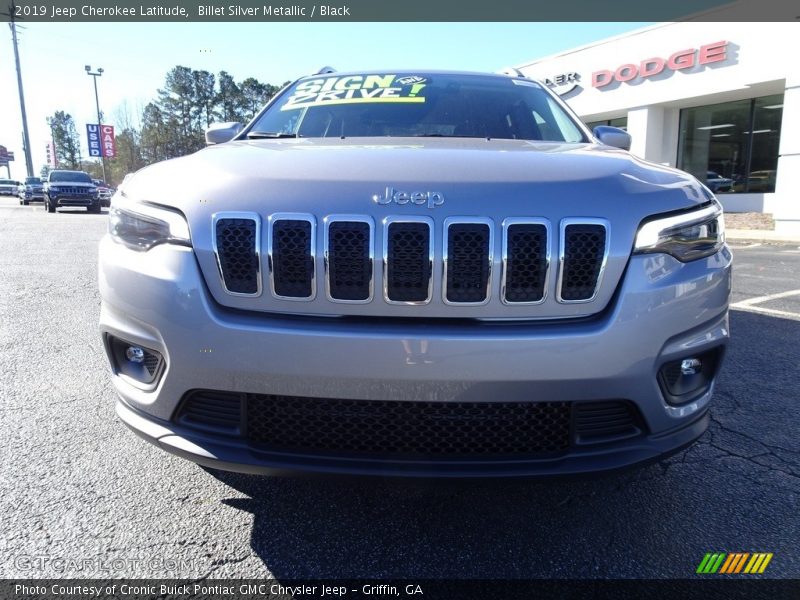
720,100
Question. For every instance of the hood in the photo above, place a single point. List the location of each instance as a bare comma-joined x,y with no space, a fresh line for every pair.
300,175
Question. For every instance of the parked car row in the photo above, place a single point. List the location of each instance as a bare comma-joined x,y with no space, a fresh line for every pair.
62,188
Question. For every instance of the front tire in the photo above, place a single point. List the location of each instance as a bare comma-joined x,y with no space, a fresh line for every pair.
94,208
51,208
25,202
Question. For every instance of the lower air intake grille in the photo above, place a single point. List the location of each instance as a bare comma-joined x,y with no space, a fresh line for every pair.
395,428
584,252
292,262
408,262
350,266
526,263
467,262
236,252
606,421
219,412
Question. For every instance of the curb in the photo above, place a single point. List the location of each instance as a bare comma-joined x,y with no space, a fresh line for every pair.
761,235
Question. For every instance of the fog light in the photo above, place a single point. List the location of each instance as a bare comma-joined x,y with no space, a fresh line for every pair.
690,366
136,354
682,380
143,366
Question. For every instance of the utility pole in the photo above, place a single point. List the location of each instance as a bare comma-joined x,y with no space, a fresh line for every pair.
25,137
99,124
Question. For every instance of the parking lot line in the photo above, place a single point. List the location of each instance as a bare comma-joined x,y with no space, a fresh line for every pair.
749,305
767,298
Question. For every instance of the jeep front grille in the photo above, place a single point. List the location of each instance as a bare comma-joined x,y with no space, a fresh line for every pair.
407,247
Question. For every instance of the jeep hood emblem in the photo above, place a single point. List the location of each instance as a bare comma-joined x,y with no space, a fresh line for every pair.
431,199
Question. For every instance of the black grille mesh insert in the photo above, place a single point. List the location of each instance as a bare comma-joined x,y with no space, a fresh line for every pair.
292,263
584,247
408,262
394,428
604,421
220,412
236,248
526,262
467,262
349,264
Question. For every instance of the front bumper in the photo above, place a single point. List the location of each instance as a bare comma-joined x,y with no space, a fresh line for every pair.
67,201
663,311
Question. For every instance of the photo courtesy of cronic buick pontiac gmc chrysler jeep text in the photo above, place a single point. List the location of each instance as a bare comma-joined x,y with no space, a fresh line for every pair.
415,274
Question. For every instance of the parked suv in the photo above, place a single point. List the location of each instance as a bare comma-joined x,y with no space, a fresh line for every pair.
415,274
70,188
31,189
8,187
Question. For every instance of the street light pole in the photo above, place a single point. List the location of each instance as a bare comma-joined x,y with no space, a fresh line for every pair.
99,73
26,144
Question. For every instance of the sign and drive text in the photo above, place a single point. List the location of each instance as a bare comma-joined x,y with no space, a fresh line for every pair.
101,140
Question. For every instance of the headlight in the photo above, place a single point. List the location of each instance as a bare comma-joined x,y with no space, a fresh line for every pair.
53,189
141,226
688,236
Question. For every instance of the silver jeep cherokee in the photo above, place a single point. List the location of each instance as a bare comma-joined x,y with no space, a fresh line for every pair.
415,274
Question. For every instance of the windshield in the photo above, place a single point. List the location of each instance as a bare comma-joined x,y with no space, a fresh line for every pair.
70,176
32,180
434,105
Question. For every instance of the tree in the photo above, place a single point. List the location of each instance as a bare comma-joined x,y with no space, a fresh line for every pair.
254,96
66,140
229,98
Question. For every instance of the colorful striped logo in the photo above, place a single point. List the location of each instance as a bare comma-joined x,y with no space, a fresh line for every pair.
731,563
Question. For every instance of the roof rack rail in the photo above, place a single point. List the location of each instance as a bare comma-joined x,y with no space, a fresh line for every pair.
325,71
511,71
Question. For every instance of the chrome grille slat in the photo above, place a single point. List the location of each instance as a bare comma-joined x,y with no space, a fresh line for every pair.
292,252
236,245
408,260
583,252
349,258
467,254
526,261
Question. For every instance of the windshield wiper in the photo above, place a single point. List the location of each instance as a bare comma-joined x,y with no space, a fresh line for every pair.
270,134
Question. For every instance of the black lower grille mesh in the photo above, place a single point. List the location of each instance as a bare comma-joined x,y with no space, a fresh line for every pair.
219,412
408,262
467,262
393,428
526,262
605,421
349,266
236,251
292,263
584,250
397,429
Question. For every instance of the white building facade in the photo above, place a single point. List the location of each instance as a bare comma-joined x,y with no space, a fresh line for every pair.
720,100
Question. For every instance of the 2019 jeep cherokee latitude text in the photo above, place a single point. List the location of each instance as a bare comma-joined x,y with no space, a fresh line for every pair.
415,274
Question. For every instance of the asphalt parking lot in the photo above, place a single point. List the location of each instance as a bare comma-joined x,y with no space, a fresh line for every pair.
76,485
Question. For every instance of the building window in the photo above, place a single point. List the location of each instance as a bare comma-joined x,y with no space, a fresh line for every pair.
621,122
733,146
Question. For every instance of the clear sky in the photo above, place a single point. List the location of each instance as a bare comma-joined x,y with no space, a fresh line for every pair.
136,57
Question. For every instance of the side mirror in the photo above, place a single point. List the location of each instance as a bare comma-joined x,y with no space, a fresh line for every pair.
219,133
613,136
